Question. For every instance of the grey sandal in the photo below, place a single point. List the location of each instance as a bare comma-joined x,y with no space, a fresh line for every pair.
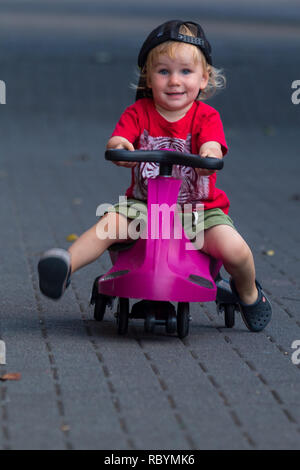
256,316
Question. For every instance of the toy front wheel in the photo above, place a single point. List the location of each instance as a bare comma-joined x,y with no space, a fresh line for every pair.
122,315
183,319
229,315
100,306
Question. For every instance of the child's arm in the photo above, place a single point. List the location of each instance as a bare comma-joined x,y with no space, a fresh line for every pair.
209,149
118,142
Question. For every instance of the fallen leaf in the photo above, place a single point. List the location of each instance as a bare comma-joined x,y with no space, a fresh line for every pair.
269,252
10,376
65,427
77,201
72,237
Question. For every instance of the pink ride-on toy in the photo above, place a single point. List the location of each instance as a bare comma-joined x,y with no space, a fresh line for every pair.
160,269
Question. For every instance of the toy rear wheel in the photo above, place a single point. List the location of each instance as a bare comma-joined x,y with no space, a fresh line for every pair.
122,315
149,324
100,306
183,319
229,315
171,323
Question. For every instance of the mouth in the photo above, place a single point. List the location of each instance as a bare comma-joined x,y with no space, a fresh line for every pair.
175,93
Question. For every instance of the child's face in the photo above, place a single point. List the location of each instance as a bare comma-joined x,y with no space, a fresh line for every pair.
175,82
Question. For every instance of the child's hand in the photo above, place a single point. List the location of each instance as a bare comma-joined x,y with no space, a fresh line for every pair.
209,149
118,142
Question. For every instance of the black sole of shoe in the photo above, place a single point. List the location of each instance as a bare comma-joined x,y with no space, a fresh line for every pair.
53,274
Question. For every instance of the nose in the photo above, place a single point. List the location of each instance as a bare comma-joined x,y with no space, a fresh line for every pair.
174,79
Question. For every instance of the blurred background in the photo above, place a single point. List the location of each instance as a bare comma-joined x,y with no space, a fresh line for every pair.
76,58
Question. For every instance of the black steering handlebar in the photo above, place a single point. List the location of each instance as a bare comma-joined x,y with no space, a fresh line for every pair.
165,158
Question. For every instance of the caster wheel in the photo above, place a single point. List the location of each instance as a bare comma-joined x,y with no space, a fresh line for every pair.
183,319
171,323
149,324
100,306
122,315
229,315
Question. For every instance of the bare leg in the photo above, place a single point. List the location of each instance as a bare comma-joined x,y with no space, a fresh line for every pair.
112,228
225,243
56,265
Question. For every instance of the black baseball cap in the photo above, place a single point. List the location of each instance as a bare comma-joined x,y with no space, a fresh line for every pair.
169,31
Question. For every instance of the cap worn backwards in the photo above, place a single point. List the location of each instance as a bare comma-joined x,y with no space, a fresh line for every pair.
169,31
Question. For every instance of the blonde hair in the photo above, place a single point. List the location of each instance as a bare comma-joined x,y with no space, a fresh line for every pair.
216,79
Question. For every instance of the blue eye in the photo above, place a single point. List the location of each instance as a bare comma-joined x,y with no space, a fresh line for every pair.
163,71
186,71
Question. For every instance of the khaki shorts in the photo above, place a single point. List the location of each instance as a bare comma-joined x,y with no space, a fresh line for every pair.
192,222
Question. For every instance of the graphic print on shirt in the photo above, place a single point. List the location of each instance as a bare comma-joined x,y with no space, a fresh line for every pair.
193,187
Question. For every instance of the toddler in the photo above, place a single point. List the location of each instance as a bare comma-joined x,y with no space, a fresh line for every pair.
176,73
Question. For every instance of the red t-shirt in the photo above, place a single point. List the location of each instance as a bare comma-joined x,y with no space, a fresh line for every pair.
146,129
